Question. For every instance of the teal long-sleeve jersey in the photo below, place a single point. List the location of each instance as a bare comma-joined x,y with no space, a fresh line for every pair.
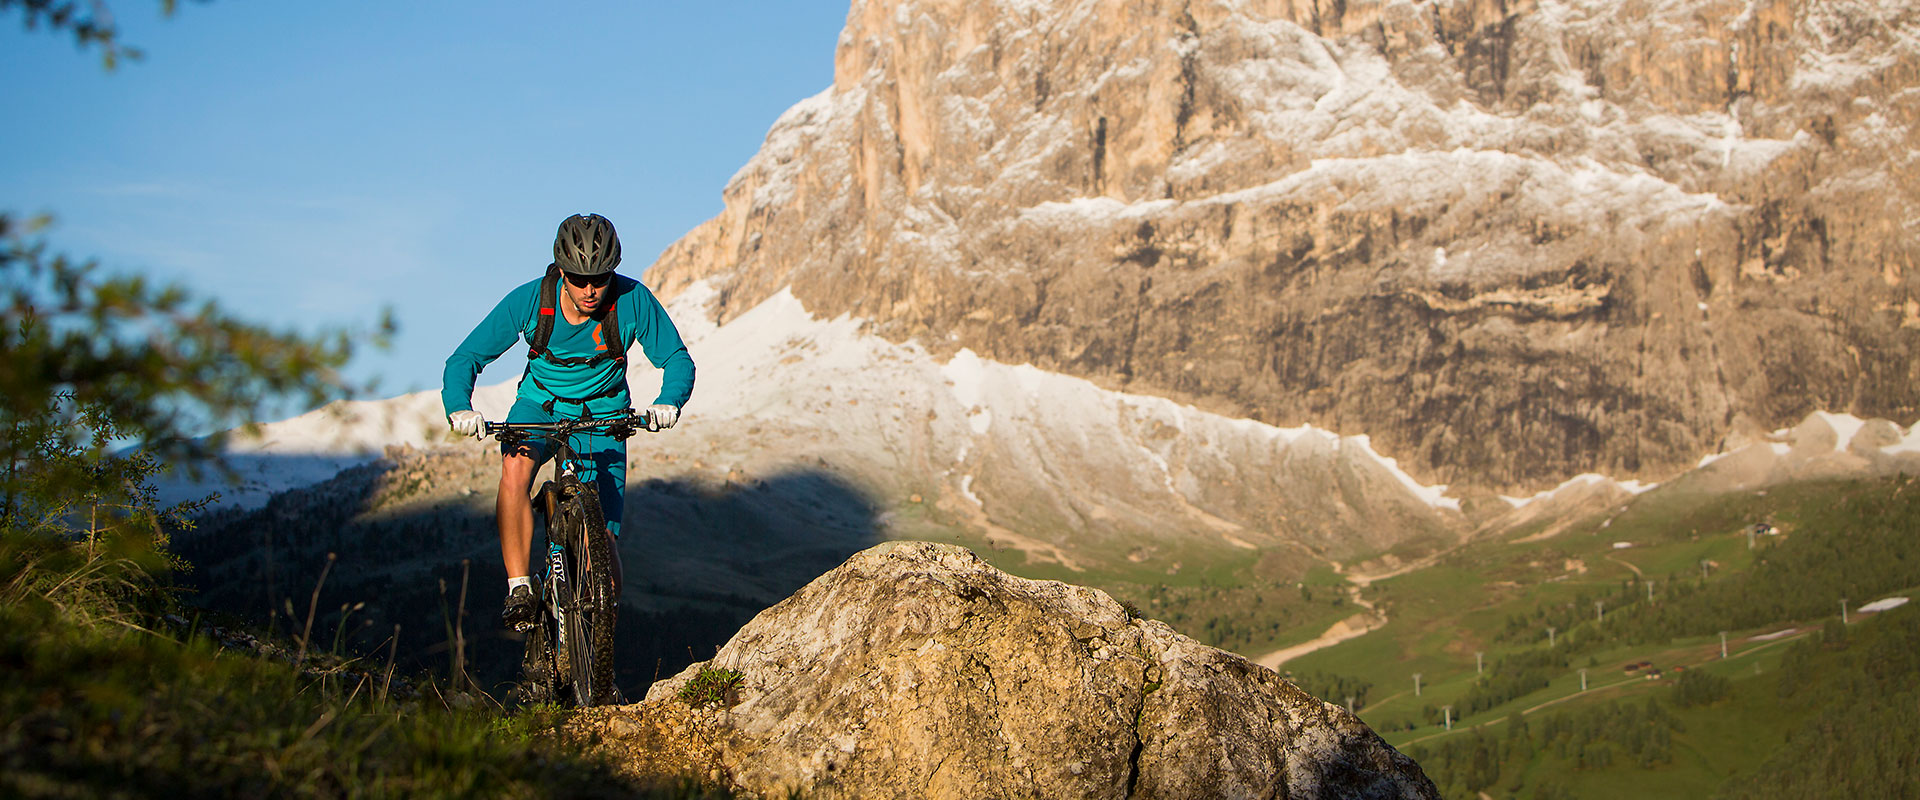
642,321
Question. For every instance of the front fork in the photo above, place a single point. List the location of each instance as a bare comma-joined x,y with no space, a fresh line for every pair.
613,545
551,507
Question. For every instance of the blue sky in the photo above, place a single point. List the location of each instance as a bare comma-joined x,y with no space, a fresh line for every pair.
309,163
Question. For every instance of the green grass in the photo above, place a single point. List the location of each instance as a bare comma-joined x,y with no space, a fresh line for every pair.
1717,742
1436,620
1376,657
1683,558
104,697
1447,682
1246,601
1323,575
1607,682
1714,743
1440,615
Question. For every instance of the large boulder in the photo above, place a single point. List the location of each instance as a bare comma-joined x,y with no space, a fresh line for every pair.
917,670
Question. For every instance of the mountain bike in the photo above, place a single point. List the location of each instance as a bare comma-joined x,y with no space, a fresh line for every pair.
569,655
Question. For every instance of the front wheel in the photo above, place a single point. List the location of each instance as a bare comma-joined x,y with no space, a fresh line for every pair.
542,674
589,609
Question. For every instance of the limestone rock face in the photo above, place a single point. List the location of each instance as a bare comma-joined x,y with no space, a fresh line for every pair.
1511,242
916,670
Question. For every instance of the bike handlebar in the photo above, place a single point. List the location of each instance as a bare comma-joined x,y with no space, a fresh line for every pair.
620,427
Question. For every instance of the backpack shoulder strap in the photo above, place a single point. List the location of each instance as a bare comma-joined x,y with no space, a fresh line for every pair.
543,322
610,331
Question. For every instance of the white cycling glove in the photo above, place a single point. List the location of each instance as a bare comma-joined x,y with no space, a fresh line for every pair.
662,415
468,423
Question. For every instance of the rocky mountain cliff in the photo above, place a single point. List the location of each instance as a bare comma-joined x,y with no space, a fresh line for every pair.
916,670
1511,242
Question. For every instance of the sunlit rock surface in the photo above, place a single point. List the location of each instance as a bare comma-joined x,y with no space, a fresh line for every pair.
916,670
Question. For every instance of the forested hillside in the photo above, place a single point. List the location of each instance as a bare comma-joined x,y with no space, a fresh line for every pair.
1690,663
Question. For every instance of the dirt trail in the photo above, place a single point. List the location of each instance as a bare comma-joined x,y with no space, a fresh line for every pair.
1341,631
1365,579
1629,565
1371,619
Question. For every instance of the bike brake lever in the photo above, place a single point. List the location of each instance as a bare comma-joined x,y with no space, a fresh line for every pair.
629,426
506,435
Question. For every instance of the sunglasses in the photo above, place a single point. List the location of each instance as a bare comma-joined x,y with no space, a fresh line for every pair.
584,281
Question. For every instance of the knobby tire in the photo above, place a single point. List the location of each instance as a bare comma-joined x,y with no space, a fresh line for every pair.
590,606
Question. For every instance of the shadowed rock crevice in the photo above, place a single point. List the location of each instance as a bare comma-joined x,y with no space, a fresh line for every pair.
1139,740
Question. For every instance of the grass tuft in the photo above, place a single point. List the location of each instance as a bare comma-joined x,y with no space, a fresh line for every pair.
713,685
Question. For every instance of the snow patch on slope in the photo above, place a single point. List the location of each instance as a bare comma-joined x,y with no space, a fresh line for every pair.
1909,441
1432,495
1844,427
1581,481
966,374
1823,445
1886,604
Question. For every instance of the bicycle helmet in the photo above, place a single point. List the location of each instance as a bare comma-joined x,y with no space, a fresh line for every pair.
586,245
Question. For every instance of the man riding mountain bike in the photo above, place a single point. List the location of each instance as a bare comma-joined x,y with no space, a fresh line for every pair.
578,321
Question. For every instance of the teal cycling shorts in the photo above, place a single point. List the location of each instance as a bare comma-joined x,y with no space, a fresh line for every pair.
599,459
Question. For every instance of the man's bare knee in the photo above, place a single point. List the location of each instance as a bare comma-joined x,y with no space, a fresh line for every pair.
517,466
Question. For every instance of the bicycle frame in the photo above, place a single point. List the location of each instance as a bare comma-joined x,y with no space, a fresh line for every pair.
578,598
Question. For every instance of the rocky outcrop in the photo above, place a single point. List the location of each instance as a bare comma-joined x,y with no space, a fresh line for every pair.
1511,242
916,670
